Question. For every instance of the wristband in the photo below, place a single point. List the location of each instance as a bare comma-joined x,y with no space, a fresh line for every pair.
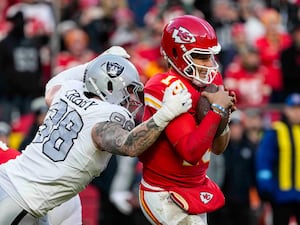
219,109
218,112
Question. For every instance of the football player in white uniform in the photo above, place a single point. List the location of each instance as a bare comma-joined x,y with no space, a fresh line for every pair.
70,212
87,122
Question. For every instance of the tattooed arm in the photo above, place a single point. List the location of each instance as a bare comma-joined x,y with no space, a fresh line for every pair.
113,138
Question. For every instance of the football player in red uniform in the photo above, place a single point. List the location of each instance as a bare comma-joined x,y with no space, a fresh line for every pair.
174,188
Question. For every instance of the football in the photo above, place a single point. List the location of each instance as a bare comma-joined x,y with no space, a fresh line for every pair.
203,106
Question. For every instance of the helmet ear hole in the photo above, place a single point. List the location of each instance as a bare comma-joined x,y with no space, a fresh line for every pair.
174,52
109,86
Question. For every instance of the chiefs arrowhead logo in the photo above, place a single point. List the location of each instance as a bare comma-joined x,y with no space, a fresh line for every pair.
183,36
205,197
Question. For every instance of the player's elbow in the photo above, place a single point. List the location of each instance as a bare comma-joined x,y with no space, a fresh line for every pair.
191,157
48,100
50,94
132,153
191,153
192,162
217,151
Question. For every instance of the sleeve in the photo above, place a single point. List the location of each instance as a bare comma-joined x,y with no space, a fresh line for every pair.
190,140
153,95
74,73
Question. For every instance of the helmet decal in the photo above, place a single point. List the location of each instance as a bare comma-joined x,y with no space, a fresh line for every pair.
114,69
183,36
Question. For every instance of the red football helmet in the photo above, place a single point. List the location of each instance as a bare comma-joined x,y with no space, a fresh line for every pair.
184,36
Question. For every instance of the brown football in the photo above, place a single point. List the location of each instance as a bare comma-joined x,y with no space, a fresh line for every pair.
203,107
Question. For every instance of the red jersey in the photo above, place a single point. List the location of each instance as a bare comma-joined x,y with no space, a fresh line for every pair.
180,156
66,60
270,57
7,154
251,87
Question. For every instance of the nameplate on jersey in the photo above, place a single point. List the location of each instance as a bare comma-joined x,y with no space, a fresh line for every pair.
75,97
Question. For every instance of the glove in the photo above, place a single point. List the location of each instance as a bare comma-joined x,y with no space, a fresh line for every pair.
117,50
176,100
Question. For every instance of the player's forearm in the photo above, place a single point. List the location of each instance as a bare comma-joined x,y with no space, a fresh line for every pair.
192,147
220,143
112,138
141,138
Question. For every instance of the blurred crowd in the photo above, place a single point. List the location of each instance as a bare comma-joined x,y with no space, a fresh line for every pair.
260,61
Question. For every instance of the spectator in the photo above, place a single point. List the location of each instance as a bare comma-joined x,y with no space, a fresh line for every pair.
239,44
39,27
289,11
76,51
99,24
290,63
240,176
250,15
277,164
41,11
270,45
39,110
126,32
21,69
146,53
4,24
225,14
248,78
139,9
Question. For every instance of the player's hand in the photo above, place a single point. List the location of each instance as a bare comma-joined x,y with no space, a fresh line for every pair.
117,50
176,100
221,97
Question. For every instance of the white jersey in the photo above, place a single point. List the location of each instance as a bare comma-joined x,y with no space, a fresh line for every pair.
68,213
73,73
62,159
